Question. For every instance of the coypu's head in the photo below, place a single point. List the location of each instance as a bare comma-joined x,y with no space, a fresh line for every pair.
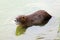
20,19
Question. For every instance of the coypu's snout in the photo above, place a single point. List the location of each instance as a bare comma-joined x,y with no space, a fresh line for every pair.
17,20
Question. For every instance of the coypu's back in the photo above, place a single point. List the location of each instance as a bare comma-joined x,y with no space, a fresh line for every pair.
41,16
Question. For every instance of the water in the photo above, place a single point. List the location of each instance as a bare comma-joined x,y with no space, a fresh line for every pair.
9,9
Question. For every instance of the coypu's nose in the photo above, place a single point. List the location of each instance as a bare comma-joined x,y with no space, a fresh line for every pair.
17,19
17,22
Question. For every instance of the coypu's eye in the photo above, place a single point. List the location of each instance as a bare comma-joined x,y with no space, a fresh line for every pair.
22,19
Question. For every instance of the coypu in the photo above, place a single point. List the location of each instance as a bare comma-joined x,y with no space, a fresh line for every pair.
40,17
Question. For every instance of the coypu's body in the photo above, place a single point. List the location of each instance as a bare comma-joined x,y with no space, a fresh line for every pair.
40,17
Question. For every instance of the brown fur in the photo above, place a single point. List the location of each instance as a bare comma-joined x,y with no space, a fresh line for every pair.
40,17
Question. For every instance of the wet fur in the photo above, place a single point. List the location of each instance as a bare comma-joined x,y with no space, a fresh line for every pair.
39,17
